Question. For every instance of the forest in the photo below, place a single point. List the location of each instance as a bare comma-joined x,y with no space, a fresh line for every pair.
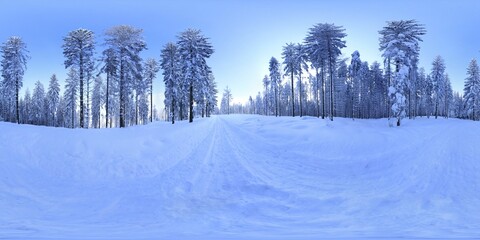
116,88
315,81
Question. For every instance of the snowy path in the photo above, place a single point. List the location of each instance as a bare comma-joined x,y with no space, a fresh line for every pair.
242,177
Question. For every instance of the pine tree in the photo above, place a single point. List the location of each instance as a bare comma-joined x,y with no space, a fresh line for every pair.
301,61
448,96
170,64
194,50
471,93
438,79
110,68
78,49
126,43
14,63
151,68
226,100
38,104
354,69
70,97
275,81
97,101
399,43
266,84
290,59
53,98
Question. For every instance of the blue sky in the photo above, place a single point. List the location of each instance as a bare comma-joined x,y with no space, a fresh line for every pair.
245,34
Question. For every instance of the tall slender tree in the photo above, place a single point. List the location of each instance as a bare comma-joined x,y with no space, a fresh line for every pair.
194,51
14,63
53,98
438,78
126,43
290,59
399,43
471,93
170,64
110,68
275,78
151,68
78,49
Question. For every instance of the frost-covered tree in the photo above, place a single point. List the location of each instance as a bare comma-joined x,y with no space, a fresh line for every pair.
151,68
290,59
341,89
38,104
266,96
211,98
275,81
448,96
97,101
324,42
126,43
14,63
78,49
399,43
438,79
110,68
354,69
26,112
471,90
226,100
194,51
174,85
301,61
70,98
53,98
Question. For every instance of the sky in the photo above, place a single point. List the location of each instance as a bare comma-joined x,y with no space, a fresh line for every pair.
245,34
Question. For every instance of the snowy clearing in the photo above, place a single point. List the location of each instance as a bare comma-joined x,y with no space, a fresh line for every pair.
242,177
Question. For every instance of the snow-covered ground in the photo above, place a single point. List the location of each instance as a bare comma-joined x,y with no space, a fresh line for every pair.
242,177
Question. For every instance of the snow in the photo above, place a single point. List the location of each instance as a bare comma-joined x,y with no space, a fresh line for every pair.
242,177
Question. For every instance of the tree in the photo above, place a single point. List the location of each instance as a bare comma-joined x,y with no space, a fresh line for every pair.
354,69
170,64
211,96
332,38
290,59
151,68
70,97
78,49
315,50
110,68
226,99
14,63
301,61
53,98
266,84
126,43
448,95
194,49
97,101
399,43
274,68
438,79
472,90
38,104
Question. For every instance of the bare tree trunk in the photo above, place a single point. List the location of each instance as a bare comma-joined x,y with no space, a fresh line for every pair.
16,100
151,101
81,89
122,95
191,103
293,99
106,103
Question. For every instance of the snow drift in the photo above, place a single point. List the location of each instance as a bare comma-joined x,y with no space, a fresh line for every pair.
242,176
